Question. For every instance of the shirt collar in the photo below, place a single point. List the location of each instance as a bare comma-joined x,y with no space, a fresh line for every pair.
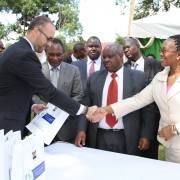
50,67
30,43
97,61
139,61
119,72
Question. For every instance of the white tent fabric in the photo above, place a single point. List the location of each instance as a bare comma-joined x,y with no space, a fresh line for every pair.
162,25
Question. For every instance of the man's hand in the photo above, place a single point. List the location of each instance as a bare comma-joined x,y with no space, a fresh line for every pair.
80,139
38,107
143,144
100,113
91,111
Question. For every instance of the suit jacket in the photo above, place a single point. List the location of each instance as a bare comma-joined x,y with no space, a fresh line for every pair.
68,60
82,65
167,102
21,76
151,67
134,82
69,82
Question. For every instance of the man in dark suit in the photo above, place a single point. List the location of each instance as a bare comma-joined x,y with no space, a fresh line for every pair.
79,53
129,134
21,76
93,60
68,81
150,67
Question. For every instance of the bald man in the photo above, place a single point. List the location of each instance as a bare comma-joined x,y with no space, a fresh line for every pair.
129,134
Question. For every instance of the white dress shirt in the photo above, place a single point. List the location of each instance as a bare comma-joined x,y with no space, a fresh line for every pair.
97,64
140,64
119,79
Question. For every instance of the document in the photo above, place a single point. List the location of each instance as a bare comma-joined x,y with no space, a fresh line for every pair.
47,123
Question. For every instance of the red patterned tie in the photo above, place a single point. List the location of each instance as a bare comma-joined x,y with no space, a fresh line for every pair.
112,98
91,70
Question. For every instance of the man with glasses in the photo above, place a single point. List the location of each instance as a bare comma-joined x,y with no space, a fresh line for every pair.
93,62
21,76
2,48
150,67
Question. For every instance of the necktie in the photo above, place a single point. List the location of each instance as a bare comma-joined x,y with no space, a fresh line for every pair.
134,66
112,98
54,77
91,70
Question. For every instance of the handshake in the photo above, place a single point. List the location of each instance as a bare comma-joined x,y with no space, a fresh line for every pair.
96,114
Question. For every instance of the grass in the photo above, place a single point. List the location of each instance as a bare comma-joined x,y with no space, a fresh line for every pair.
161,153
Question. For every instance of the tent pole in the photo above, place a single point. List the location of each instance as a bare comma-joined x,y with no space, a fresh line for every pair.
131,16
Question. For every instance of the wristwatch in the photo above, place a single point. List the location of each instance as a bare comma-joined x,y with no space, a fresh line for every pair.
174,130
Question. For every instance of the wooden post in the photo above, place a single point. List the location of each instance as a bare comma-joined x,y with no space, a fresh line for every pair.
131,16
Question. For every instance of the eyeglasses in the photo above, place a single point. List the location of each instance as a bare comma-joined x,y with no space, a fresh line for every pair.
1,47
50,39
166,51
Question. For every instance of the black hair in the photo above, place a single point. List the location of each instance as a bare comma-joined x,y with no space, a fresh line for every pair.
152,55
176,38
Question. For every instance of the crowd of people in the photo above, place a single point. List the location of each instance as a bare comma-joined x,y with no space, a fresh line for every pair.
114,105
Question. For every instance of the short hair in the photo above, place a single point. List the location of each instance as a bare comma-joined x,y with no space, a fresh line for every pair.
58,41
39,21
134,40
176,38
152,55
78,46
93,37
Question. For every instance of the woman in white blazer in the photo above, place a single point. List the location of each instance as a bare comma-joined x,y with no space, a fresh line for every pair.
165,91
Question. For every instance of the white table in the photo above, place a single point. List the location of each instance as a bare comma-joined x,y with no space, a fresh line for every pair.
68,162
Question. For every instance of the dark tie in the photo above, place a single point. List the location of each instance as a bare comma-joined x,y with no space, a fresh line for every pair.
112,98
54,77
91,70
134,66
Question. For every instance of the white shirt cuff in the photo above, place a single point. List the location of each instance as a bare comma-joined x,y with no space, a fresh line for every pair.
80,110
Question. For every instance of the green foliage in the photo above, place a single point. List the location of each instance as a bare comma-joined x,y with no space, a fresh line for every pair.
148,7
119,40
69,46
66,11
161,153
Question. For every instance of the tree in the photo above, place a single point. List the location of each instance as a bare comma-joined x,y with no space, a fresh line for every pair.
149,7
66,12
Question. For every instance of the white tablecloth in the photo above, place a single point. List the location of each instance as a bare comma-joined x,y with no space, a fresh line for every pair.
68,162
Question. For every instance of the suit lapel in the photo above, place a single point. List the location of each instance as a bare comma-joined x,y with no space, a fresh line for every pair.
100,84
62,80
174,89
127,83
45,70
147,67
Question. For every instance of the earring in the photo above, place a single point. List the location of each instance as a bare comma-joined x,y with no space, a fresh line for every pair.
177,59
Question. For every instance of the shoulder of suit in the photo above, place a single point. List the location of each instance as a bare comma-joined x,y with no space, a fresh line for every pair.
152,61
80,62
69,66
135,72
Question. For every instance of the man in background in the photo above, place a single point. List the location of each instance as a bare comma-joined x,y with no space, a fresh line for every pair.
150,67
79,53
67,79
93,62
